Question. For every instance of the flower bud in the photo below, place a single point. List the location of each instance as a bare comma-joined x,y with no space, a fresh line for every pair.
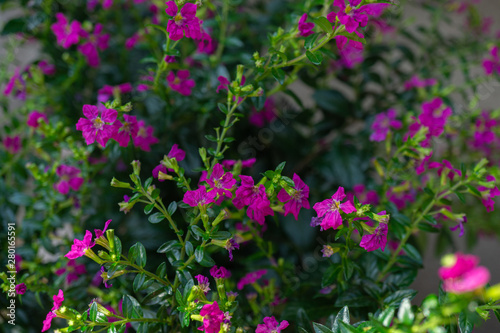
116,183
136,165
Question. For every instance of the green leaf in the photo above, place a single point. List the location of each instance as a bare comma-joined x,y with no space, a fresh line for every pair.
221,235
352,36
279,75
172,208
156,218
330,275
413,253
310,40
396,298
342,316
14,26
131,307
316,58
280,167
112,329
464,323
169,246
405,313
93,312
386,316
324,24
199,253
197,232
318,328
138,281
347,328
189,248
149,208
141,254
211,138
222,108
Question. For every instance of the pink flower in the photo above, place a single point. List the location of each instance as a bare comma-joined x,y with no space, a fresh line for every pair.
219,273
203,283
181,83
16,82
231,244
493,64
58,299
221,182
434,116
199,197
95,41
297,199
177,153
351,52
124,131
12,144
461,273
145,138
266,115
73,269
228,164
46,68
353,17
329,210
365,197
271,325
33,118
488,194
66,34
183,22
327,251
80,246
445,167
250,278
97,127
69,178
305,29
223,84
377,240
416,82
132,41
383,123
106,92
21,288
253,196
212,318
99,233
156,171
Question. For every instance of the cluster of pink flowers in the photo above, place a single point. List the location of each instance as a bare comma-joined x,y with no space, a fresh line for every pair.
73,270
79,247
383,123
17,85
181,82
492,64
34,118
305,28
255,197
219,272
213,317
377,240
264,116
69,34
434,117
485,137
461,274
12,144
488,193
416,82
102,125
297,199
271,325
58,299
329,211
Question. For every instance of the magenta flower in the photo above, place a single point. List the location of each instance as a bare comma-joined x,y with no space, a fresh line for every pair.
434,116
205,43
256,199
351,52
416,82
203,283
69,178
383,123
132,41
126,130
423,164
402,196
228,164
327,251
266,115
95,41
305,28
97,127
250,278
46,68
33,118
212,318
329,210
183,22
493,64
80,246
21,288
461,273
271,325
177,153
488,194
445,167
296,200
16,82
156,171
460,225
67,34
353,17
58,299
377,240
181,83
99,233
145,137
221,182
199,197
231,244
12,144
220,273
365,197
484,134
73,269
223,84
106,92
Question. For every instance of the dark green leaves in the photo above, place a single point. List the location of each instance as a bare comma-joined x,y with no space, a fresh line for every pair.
156,218
14,26
316,57
279,75
342,316
139,252
324,24
396,298
131,307
464,323
169,246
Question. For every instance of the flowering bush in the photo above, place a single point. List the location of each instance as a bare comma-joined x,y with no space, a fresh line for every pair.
188,111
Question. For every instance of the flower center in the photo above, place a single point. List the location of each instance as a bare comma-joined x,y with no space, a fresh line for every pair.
348,9
126,126
335,205
177,80
141,132
98,123
178,19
